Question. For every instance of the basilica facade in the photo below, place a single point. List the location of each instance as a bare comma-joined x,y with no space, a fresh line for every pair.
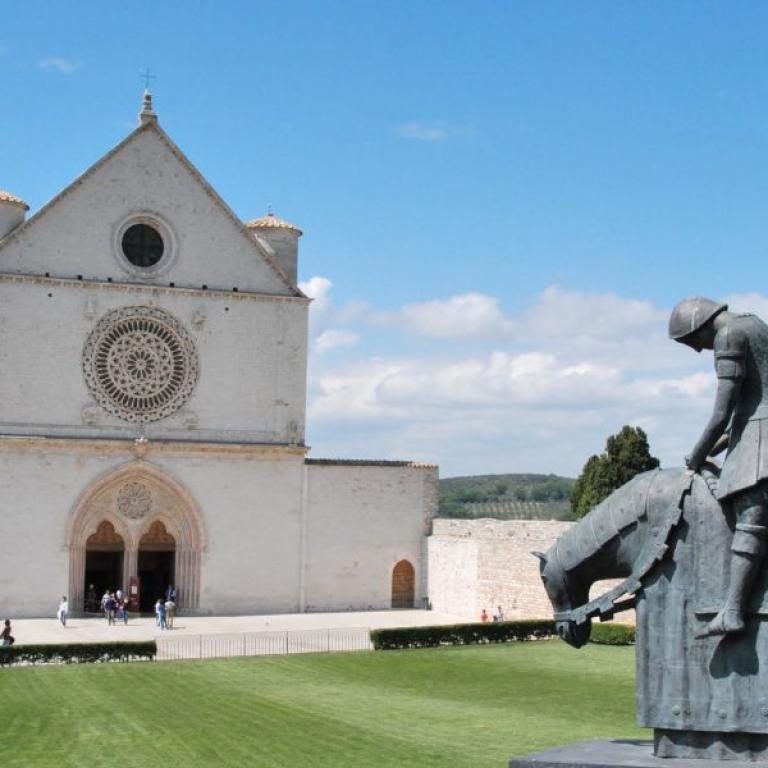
153,359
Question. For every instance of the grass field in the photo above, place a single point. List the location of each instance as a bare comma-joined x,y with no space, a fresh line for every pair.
447,707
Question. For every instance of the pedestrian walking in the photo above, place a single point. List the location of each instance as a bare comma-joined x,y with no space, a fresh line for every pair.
160,611
6,636
170,613
63,611
111,605
122,610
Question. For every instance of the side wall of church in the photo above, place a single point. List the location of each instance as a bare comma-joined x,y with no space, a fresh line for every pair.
250,506
251,353
362,518
476,564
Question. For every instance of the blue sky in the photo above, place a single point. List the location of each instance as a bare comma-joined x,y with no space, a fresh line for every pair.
501,201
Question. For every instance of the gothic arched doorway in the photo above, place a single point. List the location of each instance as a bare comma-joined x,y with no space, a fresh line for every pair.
157,558
157,520
104,553
403,585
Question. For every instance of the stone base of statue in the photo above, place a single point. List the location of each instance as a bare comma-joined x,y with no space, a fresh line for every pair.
736,749
709,745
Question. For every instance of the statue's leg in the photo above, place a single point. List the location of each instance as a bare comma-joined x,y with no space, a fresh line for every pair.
747,549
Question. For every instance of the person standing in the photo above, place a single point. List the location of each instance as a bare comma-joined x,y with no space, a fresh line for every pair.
123,607
63,611
170,612
110,606
499,616
160,611
6,636
484,616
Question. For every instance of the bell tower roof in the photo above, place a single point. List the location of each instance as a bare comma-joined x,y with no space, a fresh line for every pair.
7,197
270,221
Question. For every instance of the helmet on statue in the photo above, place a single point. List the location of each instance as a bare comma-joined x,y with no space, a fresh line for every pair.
691,314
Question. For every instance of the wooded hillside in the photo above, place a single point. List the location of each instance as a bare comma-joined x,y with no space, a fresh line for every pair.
507,497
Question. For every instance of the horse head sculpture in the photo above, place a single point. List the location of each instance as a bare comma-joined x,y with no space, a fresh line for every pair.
623,537
564,597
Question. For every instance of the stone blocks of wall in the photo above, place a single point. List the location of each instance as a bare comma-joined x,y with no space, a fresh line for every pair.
476,564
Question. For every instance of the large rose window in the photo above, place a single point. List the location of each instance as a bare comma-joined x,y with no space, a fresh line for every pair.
140,363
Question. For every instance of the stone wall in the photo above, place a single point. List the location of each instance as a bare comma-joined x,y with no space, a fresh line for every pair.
361,519
476,564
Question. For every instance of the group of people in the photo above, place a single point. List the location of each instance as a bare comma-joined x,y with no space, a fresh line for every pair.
165,610
114,606
497,617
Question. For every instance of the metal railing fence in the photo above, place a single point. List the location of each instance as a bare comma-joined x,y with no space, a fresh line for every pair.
171,647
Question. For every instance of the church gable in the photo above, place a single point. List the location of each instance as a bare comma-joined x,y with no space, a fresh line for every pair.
144,214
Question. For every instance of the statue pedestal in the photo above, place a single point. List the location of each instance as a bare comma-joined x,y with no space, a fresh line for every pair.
619,754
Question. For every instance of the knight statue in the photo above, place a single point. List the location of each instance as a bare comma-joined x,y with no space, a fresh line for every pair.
739,422
685,547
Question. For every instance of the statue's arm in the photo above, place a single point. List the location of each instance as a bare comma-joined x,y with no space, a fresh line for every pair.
725,401
722,442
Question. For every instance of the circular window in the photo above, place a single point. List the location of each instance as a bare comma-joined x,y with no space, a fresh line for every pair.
140,363
142,245
145,245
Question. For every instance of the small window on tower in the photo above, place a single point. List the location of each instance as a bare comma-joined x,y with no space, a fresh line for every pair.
142,245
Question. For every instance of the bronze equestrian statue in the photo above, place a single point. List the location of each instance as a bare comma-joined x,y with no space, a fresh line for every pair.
688,545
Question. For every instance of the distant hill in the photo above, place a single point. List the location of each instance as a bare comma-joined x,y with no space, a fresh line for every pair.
507,497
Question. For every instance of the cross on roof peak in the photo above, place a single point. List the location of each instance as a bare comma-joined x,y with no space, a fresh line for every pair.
147,76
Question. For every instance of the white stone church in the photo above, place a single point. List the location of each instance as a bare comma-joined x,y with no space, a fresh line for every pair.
153,358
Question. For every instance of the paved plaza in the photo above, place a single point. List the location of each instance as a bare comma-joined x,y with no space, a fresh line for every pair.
94,630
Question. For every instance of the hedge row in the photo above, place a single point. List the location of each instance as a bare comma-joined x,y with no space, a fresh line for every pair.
612,634
461,634
501,632
77,653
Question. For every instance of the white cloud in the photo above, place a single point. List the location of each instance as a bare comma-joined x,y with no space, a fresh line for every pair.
470,315
65,66
596,316
429,130
318,289
748,302
420,131
484,390
575,317
332,339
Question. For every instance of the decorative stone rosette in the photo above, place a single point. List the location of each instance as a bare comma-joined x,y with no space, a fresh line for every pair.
134,501
140,363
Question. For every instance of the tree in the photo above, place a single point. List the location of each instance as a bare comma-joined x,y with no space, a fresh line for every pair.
626,455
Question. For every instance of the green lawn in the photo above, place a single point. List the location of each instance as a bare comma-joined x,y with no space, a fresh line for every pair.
468,706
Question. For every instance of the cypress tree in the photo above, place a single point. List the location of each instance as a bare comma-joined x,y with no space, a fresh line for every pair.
626,454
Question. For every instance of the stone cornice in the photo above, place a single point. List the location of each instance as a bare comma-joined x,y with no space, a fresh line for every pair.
144,448
156,290
369,463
